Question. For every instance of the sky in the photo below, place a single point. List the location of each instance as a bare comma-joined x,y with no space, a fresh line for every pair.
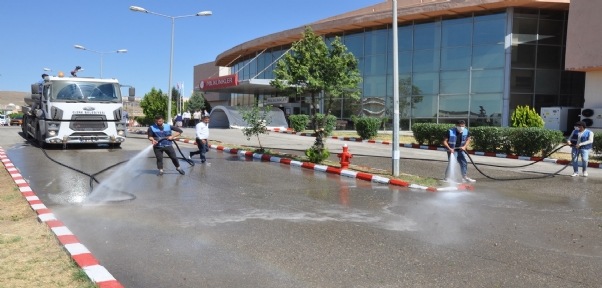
38,34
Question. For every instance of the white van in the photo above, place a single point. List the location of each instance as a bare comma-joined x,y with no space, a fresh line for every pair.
3,120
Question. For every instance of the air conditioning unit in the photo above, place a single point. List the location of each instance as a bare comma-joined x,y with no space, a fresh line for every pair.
592,117
560,118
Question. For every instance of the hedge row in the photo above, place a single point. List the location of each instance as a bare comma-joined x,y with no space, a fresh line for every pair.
597,143
300,122
519,141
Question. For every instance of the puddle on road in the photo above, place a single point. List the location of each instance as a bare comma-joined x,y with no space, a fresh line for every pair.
237,159
388,221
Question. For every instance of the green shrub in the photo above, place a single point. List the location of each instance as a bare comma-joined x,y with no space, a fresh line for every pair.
331,123
487,139
298,122
384,120
145,121
530,141
367,127
430,133
315,157
597,143
524,116
550,140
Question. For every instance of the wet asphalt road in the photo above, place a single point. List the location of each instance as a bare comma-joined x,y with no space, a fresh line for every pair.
245,223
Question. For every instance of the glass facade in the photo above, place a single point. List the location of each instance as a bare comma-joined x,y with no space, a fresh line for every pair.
537,76
450,68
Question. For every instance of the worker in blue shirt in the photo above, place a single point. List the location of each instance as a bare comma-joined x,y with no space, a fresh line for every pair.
161,135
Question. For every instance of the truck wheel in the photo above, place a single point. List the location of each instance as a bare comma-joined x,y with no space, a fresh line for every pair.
24,128
41,142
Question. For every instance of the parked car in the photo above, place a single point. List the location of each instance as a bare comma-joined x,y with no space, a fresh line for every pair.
2,120
18,120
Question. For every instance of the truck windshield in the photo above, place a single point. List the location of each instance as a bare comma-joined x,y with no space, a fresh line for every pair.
86,92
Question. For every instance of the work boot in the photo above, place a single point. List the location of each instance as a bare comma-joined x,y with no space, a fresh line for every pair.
181,171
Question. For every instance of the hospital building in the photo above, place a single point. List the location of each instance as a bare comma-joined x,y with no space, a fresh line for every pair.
475,60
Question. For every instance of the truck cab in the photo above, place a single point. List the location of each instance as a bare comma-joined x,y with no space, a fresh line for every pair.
75,110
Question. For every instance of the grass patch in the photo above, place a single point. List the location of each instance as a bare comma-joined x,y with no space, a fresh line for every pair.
31,255
5,239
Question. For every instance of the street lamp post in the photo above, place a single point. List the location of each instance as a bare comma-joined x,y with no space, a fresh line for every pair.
173,18
395,158
101,53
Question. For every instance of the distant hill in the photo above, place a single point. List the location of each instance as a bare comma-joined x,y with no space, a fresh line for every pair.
7,97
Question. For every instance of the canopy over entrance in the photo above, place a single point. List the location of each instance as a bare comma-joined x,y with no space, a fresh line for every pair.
230,117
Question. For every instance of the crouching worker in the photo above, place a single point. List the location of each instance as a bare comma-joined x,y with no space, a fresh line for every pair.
160,134
456,141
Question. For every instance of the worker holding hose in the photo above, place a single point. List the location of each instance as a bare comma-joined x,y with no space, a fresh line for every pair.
160,134
581,141
456,141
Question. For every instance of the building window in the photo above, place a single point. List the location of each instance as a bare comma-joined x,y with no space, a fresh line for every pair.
537,66
453,66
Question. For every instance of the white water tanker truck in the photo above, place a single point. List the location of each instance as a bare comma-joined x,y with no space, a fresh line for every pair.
75,110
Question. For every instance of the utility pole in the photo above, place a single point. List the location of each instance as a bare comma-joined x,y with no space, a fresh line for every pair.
395,152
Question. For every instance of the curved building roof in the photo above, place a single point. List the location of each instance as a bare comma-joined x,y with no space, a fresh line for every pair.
380,14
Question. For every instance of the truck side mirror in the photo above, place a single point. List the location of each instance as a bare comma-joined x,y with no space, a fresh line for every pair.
36,97
132,94
35,88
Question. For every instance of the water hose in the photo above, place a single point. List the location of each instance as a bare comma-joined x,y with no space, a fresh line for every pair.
520,178
92,176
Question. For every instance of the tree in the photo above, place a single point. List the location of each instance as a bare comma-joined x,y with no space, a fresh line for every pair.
409,96
175,99
257,121
154,103
196,102
313,68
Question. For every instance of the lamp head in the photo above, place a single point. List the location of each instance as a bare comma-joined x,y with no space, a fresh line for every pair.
79,47
122,51
204,13
138,9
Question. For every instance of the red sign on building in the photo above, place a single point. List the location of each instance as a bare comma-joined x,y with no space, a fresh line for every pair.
219,82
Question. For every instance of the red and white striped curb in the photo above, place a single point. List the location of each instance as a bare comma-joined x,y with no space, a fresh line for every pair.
329,169
333,170
79,253
425,147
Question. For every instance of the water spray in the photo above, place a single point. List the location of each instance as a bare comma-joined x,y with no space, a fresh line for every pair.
126,195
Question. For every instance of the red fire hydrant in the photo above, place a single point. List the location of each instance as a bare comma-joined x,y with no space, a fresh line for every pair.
345,157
